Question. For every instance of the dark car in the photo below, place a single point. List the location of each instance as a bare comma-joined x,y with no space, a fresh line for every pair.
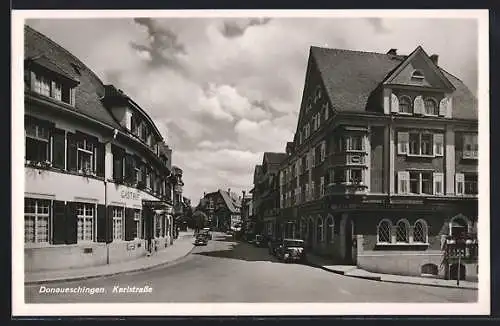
260,241
291,250
201,240
273,244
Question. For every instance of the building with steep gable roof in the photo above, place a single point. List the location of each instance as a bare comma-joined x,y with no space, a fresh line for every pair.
383,164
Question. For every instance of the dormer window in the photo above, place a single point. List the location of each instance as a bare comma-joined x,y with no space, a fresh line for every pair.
317,94
417,75
47,79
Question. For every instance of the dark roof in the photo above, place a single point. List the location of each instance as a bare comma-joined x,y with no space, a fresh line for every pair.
274,158
232,201
351,76
90,88
45,62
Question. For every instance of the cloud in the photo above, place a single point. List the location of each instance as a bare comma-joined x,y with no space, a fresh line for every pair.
222,91
236,28
162,48
377,24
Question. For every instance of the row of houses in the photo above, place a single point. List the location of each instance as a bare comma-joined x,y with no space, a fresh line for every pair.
100,186
383,167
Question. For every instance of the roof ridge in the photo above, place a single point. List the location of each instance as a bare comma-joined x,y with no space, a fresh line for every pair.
357,51
64,50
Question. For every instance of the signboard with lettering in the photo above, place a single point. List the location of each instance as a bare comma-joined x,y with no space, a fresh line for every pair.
130,194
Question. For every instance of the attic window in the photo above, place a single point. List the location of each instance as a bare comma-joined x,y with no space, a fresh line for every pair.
317,94
417,75
76,68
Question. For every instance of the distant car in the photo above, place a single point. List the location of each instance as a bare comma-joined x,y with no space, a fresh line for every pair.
201,240
206,232
291,250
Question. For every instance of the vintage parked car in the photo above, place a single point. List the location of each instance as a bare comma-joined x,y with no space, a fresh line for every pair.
273,244
291,250
201,240
207,233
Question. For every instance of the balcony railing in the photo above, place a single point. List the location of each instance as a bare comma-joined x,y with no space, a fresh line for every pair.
346,189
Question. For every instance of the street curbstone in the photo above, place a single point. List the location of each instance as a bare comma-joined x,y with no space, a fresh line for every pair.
135,270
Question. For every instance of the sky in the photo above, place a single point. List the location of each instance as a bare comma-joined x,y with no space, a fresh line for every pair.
224,90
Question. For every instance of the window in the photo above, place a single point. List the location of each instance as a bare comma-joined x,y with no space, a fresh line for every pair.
320,234
426,182
331,229
85,222
137,222
405,105
438,144
384,232
431,106
118,223
402,229
438,183
323,151
317,94
417,75
327,109
355,143
470,184
421,182
356,176
52,88
85,155
322,186
403,182
37,142
426,144
470,146
403,143
414,182
420,232
36,220
459,183
421,144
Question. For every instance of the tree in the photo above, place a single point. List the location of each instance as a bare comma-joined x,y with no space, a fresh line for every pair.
199,220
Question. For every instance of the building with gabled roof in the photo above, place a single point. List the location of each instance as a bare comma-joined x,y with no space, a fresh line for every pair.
97,170
223,208
383,164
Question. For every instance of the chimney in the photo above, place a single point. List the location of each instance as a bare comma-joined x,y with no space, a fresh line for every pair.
434,58
204,194
393,52
244,192
229,190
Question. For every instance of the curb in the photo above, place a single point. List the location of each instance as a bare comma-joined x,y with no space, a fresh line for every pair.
380,279
81,278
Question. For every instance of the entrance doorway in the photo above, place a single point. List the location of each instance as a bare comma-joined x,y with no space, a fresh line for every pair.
351,250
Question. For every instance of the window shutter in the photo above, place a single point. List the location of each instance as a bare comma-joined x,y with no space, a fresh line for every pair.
71,155
58,222
58,148
418,105
129,224
108,225
394,103
449,107
327,109
129,168
443,107
403,182
101,223
438,183
459,183
403,138
71,223
438,144
100,159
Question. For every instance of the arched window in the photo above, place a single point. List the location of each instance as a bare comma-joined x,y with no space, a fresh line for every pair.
319,229
384,231
405,104
431,106
402,230
330,229
420,232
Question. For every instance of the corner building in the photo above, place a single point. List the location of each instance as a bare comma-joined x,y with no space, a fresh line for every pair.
383,165
98,185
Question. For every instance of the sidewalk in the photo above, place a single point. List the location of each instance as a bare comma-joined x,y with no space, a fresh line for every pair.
181,247
354,271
